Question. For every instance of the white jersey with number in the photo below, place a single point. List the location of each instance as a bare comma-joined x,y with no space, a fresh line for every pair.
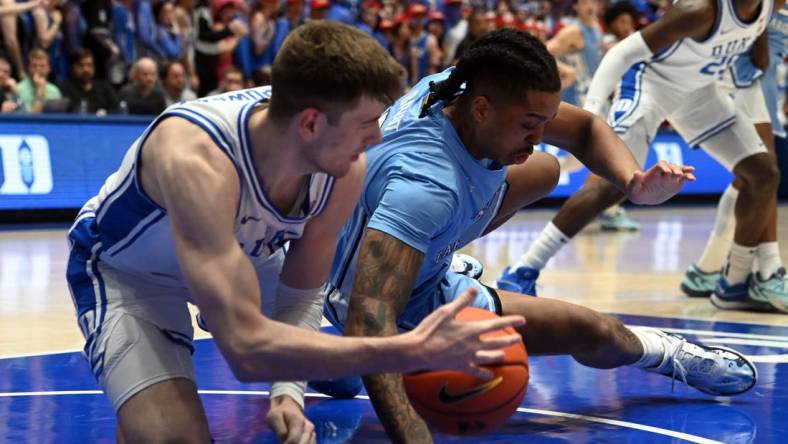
689,64
125,229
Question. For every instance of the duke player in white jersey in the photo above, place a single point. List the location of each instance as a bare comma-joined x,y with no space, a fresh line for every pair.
199,212
455,163
752,79
670,71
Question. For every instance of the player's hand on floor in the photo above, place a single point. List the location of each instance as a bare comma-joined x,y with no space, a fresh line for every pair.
449,344
659,183
287,420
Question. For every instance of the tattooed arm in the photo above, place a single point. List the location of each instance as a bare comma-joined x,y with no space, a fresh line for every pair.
386,274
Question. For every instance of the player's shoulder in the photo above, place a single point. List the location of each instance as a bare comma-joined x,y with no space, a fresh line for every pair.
179,145
695,10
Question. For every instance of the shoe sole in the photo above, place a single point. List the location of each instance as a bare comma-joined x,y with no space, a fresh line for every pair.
779,306
747,361
737,305
627,229
695,293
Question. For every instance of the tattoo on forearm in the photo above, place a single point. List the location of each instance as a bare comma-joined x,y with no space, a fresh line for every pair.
402,423
385,276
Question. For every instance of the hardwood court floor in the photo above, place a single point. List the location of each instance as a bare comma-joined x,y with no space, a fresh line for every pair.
46,396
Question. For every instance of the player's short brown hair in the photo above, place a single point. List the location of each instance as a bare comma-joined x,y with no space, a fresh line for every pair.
330,66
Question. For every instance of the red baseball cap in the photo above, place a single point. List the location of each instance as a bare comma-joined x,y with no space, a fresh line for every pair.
319,4
436,15
415,9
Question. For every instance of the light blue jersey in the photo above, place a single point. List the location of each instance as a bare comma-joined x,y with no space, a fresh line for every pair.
744,73
424,188
585,61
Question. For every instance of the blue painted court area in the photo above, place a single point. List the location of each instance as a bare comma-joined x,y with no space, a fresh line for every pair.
54,398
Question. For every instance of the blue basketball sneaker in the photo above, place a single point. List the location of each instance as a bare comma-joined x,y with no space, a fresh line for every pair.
344,388
520,280
716,371
736,297
698,283
773,290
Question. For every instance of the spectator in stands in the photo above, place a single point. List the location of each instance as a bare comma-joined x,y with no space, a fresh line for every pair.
85,92
98,36
184,16
368,19
49,37
218,33
173,82
35,90
11,45
141,95
318,9
123,30
146,28
263,30
168,41
8,91
428,52
477,27
293,18
436,26
620,19
232,80
401,48
457,29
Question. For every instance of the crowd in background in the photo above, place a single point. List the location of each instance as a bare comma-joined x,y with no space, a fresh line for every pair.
139,56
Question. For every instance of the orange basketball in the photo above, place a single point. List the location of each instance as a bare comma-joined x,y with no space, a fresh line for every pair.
457,403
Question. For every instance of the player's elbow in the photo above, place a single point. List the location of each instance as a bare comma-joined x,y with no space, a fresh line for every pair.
244,353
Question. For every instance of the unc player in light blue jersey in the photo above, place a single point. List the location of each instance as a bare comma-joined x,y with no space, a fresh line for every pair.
456,162
670,71
199,212
756,92
579,46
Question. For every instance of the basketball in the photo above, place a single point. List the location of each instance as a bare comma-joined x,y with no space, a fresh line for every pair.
460,404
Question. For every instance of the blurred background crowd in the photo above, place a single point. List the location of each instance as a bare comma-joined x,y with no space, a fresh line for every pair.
139,56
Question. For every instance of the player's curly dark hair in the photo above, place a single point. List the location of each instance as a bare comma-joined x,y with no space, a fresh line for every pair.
505,63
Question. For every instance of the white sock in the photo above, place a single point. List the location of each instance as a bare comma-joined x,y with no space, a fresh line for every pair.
722,234
768,259
653,350
550,240
739,263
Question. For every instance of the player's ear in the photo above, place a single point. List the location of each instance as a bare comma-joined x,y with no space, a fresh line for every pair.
480,108
311,123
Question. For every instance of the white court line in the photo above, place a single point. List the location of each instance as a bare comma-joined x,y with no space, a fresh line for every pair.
717,333
744,341
630,425
614,422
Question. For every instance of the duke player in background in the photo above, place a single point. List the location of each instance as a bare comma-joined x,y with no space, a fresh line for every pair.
579,45
199,211
456,162
756,92
670,71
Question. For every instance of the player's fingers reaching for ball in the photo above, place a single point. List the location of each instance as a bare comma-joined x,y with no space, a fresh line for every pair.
497,342
461,302
479,372
500,323
486,357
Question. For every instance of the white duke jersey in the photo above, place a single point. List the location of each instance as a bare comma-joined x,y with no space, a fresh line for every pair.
126,230
688,64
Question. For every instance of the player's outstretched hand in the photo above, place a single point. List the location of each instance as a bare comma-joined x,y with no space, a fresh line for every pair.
659,183
445,343
287,420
